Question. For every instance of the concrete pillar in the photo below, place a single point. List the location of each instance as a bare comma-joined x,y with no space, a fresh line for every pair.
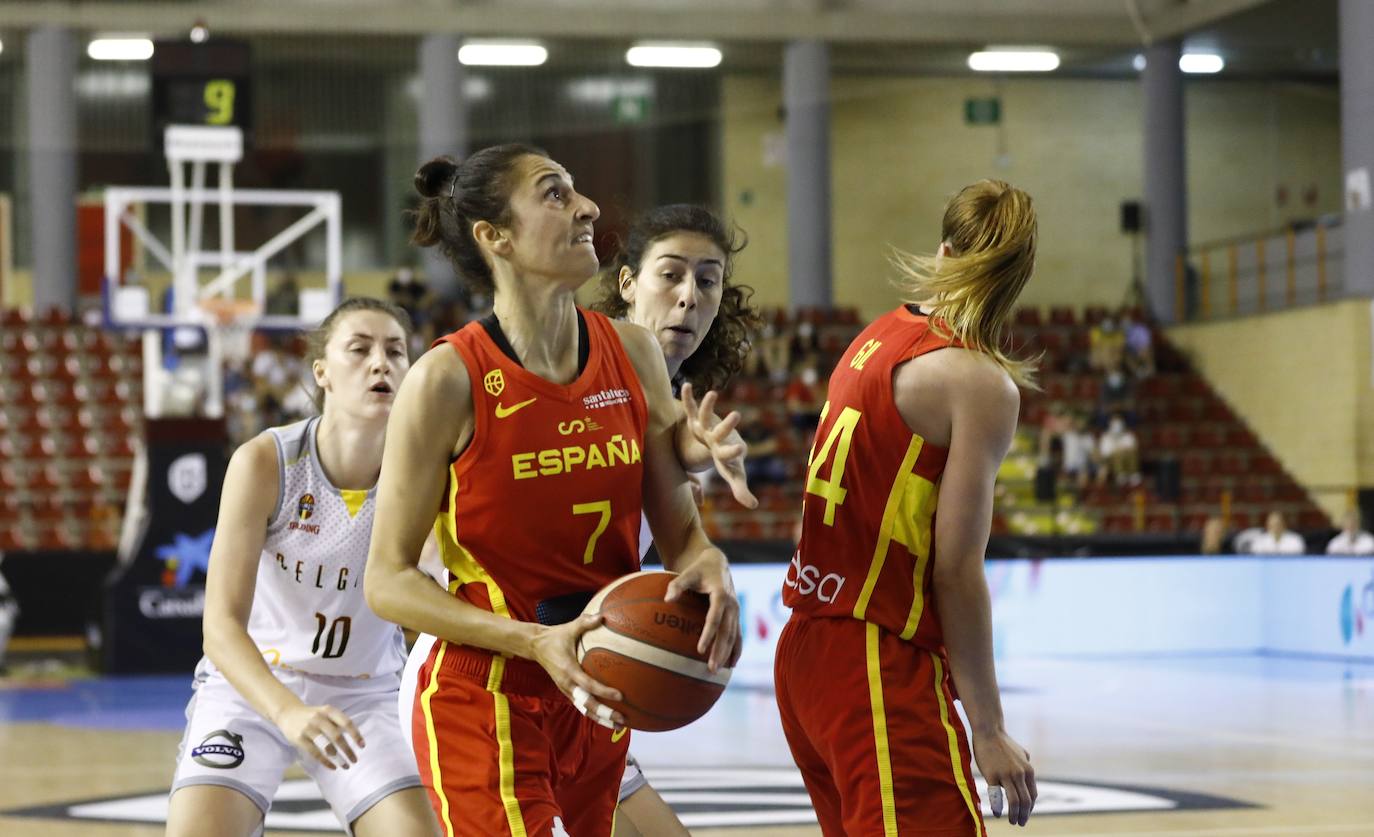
442,130
50,75
1357,143
1166,195
806,102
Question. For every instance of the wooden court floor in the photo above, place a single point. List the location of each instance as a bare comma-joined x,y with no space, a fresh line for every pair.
1222,745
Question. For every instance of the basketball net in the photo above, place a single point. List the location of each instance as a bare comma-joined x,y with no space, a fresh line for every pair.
230,322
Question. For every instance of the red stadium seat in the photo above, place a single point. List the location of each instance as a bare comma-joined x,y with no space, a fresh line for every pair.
1209,437
88,479
1217,411
11,539
1173,436
45,479
55,316
14,318
1087,387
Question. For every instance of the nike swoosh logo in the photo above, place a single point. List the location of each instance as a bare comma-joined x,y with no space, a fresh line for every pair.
619,734
502,412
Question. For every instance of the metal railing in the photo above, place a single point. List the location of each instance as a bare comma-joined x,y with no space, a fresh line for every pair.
1295,266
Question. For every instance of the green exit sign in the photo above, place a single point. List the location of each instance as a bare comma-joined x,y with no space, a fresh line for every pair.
630,110
982,111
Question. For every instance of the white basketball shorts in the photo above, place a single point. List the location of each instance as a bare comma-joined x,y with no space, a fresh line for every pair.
228,743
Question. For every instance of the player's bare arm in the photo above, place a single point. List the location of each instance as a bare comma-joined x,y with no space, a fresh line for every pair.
245,510
431,424
983,404
668,505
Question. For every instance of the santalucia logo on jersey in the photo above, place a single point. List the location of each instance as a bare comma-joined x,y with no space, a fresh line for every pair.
552,461
220,749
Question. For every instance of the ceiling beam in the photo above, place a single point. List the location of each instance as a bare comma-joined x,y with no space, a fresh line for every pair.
845,23
1182,18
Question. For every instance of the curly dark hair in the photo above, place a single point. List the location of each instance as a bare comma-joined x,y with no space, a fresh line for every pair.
721,354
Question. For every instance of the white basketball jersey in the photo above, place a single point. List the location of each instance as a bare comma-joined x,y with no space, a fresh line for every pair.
309,613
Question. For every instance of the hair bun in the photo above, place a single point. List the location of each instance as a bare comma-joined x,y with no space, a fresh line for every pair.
433,178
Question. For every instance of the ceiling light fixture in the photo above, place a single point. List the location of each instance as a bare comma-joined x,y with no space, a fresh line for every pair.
679,56
1013,60
1200,62
502,54
120,48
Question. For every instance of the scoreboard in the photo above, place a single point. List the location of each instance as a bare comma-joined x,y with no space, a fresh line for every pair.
208,84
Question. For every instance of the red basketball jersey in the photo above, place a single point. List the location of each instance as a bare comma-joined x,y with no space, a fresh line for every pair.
868,517
545,501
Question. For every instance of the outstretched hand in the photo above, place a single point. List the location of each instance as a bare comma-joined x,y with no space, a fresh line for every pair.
721,439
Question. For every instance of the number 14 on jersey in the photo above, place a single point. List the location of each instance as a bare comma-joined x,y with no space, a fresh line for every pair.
837,443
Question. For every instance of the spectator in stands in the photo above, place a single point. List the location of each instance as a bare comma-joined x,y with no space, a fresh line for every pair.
1140,349
805,397
409,293
285,298
1058,421
1106,345
1213,536
9,612
1079,452
1351,540
1243,542
1117,396
764,466
774,352
1119,453
1277,538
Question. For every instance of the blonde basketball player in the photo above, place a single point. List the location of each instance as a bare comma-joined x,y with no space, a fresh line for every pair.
297,668
919,413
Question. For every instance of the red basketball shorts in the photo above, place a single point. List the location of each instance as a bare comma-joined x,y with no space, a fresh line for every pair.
517,759
871,723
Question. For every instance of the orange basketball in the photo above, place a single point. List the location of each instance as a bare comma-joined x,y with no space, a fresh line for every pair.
647,649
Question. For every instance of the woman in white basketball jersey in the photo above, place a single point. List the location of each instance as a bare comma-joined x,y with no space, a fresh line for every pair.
297,668
672,276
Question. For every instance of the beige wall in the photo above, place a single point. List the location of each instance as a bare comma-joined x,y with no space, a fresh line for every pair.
1301,380
900,148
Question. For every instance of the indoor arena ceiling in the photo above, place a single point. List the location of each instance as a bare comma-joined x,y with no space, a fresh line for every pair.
1282,39
1101,22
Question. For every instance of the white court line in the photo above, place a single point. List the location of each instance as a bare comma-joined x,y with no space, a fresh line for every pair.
1345,750
1351,828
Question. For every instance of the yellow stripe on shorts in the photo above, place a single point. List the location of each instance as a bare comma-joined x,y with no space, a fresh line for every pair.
954,757
434,741
514,818
875,699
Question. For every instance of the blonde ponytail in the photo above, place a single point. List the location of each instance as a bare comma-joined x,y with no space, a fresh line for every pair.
969,293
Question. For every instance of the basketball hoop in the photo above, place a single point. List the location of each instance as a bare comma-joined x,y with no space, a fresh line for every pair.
230,321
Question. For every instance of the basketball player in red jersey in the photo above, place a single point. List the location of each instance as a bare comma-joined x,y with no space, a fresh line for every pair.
525,441
890,607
